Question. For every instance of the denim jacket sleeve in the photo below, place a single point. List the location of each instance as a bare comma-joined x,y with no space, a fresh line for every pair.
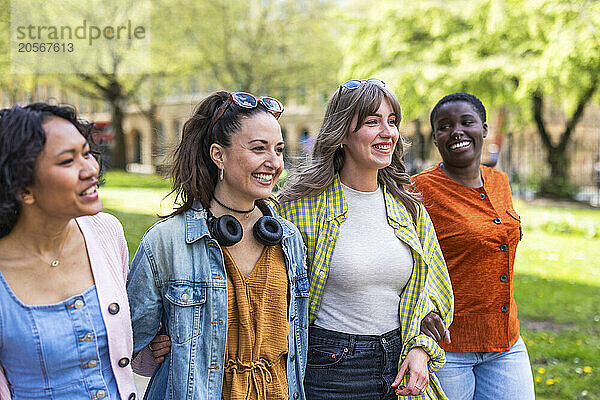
145,300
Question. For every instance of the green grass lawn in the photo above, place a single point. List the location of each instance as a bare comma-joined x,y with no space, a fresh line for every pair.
557,288
557,281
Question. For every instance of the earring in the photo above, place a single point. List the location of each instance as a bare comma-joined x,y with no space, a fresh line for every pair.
221,174
25,198
342,146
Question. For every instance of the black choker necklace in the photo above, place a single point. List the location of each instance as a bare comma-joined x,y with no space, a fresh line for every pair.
233,209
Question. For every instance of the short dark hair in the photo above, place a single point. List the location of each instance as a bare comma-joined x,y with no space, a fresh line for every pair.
193,172
460,96
22,139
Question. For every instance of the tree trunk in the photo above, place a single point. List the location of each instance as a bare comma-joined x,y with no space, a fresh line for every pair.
421,140
559,163
558,184
119,159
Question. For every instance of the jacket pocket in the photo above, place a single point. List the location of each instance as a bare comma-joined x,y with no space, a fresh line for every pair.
517,217
514,214
301,286
186,303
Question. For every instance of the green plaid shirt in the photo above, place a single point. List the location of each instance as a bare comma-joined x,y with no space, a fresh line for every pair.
319,217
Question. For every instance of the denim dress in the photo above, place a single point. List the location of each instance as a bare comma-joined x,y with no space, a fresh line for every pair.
55,351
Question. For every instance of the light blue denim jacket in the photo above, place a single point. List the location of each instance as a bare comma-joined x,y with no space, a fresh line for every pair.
177,281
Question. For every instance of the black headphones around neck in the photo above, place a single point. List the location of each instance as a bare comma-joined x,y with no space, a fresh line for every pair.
227,230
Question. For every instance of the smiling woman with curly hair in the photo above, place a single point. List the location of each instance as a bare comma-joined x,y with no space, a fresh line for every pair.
65,329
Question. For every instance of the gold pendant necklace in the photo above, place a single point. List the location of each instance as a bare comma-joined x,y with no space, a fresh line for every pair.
56,262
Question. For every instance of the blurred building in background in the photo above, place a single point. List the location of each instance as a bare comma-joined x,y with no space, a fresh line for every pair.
519,153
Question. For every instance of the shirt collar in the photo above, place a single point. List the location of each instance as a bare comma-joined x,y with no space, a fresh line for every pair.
337,207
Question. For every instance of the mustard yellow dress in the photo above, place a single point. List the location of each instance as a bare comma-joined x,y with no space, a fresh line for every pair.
257,329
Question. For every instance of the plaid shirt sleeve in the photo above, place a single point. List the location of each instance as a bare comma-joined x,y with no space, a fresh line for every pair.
300,213
429,290
319,231
304,214
439,287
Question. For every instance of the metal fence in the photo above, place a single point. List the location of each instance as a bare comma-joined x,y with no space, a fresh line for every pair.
523,158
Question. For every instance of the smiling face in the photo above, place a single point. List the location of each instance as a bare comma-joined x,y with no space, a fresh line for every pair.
253,162
66,176
459,133
370,148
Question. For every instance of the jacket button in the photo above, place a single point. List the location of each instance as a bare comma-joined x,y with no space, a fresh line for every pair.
131,396
296,395
123,362
497,220
503,278
504,308
113,308
482,196
100,394
503,247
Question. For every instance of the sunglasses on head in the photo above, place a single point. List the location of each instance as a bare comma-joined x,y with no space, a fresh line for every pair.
248,100
355,83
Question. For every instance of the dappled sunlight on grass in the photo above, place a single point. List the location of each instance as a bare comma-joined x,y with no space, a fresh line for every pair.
137,200
557,289
136,193
560,324
558,256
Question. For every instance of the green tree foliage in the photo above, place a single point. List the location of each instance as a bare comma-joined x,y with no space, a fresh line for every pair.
281,47
523,55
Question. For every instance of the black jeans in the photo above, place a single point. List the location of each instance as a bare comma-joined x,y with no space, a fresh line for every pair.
351,367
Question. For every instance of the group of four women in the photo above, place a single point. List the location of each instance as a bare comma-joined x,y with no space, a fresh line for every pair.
337,289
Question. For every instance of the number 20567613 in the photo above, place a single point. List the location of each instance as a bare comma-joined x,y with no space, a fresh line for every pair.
45,47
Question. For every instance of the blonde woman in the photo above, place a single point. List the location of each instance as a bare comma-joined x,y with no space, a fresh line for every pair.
375,268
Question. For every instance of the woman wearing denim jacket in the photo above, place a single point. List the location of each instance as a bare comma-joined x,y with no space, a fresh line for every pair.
375,266
224,276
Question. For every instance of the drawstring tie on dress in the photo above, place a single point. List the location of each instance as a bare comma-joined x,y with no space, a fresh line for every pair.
261,366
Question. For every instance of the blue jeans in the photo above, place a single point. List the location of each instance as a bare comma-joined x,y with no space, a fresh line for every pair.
493,375
351,367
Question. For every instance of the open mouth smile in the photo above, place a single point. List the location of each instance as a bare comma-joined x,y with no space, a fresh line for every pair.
263,178
383,147
460,145
89,191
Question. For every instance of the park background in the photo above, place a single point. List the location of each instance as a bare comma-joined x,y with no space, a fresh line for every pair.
534,63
